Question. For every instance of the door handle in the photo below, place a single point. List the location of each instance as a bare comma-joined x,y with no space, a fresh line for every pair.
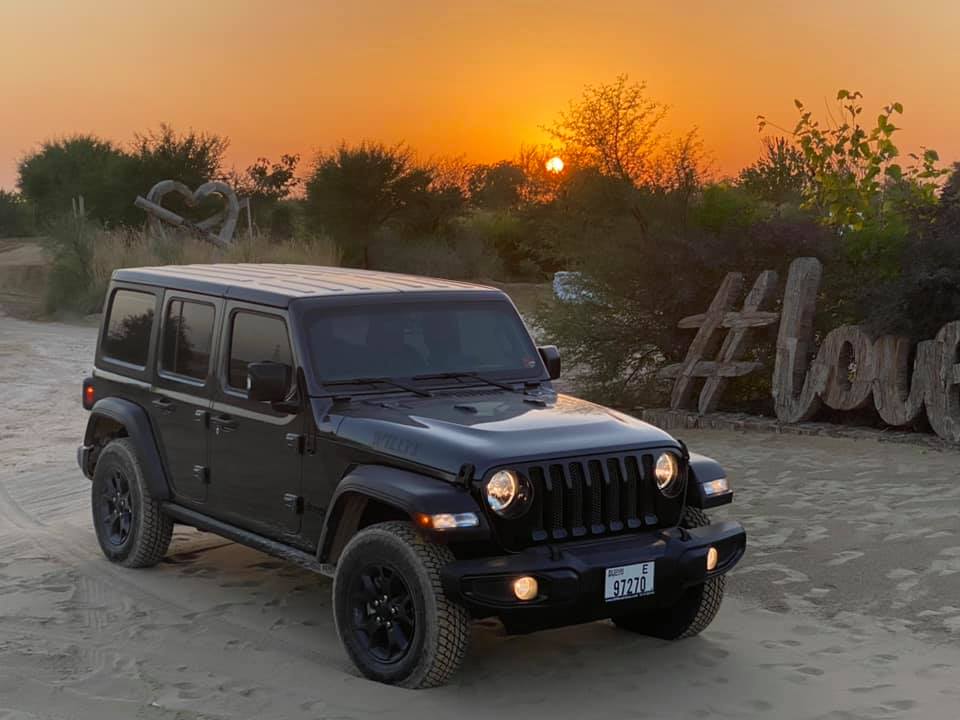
223,423
164,405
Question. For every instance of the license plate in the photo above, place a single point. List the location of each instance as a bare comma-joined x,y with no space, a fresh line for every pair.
628,581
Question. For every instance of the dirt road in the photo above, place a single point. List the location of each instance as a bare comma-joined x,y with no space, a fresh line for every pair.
845,606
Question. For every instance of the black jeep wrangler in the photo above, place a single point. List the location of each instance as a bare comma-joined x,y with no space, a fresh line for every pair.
401,435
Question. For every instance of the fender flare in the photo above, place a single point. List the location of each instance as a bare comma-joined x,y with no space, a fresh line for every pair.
136,423
704,469
407,492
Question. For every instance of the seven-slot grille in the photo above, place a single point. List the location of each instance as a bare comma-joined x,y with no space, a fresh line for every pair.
591,496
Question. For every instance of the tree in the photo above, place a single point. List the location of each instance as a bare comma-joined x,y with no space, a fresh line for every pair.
266,182
498,186
16,215
54,175
613,127
192,157
779,175
353,192
852,167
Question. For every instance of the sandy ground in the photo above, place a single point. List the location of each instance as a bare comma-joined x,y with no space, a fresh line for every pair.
846,605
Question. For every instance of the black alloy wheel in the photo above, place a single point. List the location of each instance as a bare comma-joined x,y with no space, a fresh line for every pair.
116,511
384,618
131,527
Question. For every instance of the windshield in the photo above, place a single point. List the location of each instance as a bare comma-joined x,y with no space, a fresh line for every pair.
405,340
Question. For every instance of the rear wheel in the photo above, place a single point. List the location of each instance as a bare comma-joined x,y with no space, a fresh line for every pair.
131,529
392,616
695,610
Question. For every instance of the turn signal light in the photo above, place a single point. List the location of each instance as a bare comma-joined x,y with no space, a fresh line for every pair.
526,588
89,395
448,521
713,557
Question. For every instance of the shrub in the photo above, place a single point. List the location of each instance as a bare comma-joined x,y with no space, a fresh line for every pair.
85,256
645,264
505,234
464,256
62,170
922,296
16,216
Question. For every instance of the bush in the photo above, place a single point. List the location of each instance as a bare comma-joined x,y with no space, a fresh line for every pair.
464,256
922,296
646,263
81,165
505,234
85,256
16,216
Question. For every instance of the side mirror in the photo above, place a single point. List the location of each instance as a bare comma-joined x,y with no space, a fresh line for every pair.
268,381
551,358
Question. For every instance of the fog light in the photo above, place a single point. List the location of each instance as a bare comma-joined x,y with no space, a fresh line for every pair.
712,558
525,588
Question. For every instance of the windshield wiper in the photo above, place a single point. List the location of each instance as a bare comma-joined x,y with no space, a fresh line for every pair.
381,380
472,375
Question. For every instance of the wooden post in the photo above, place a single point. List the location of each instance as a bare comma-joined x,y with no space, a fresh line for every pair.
702,344
735,343
795,394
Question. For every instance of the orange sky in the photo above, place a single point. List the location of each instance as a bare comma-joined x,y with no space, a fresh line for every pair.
456,78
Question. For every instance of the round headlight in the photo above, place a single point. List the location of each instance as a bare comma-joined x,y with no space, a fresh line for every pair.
508,494
667,473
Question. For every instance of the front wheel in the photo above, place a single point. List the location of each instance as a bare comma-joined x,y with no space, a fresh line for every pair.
695,610
392,616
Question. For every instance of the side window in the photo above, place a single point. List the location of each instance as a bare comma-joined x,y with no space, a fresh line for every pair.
187,338
255,338
129,324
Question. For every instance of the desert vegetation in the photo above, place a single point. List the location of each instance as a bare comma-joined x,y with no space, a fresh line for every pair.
638,213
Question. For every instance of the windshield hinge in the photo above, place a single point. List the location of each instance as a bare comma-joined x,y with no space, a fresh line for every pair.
465,475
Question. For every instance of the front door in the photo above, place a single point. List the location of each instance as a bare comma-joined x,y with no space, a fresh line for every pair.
183,391
255,461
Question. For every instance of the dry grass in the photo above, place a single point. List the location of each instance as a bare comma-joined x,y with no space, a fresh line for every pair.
125,249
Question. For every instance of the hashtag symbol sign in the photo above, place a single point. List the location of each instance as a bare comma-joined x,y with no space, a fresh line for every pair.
728,352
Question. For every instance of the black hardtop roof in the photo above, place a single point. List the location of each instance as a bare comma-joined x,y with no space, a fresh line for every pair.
277,285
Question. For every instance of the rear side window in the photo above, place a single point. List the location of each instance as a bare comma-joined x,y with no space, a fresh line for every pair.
129,325
256,338
187,338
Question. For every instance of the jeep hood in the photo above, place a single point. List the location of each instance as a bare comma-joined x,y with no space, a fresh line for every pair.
486,429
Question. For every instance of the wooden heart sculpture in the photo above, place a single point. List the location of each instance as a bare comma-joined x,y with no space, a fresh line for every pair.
226,217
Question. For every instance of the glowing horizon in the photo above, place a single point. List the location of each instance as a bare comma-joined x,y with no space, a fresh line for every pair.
450,80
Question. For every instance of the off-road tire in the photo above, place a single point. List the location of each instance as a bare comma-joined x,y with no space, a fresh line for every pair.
695,610
442,629
151,529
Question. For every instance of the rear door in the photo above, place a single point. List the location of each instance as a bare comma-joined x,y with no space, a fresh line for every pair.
180,408
255,459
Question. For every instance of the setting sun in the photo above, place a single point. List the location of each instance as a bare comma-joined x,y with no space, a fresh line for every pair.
555,165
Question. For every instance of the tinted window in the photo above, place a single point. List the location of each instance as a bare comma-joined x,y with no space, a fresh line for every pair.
403,340
129,324
256,338
187,336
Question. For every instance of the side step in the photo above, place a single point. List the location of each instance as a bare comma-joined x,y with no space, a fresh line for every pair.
245,537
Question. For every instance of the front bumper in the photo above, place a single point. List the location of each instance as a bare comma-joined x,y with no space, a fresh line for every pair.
571,576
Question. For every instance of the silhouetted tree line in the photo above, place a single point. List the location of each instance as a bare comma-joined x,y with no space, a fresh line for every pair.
639,213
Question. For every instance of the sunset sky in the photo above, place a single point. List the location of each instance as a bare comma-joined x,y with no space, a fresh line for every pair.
453,78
